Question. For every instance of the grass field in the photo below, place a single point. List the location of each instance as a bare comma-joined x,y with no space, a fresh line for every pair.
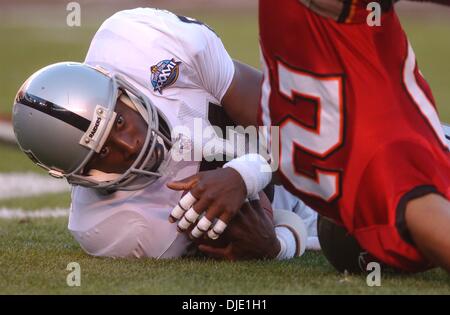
34,253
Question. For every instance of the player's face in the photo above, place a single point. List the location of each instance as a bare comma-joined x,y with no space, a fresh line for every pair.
124,142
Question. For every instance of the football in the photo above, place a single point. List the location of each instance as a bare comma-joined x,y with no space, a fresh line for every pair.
223,240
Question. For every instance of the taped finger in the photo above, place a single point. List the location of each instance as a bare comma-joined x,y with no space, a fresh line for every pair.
176,213
190,217
185,203
202,227
217,230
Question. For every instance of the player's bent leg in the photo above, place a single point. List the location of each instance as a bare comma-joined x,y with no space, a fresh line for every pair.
428,222
116,236
130,234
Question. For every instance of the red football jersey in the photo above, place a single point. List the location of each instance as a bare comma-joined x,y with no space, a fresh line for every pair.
359,135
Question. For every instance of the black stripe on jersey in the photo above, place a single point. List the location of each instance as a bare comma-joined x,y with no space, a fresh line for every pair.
400,220
186,19
54,110
345,11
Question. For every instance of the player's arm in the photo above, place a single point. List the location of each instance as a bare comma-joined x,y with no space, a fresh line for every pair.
242,97
339,10
428,221
236,86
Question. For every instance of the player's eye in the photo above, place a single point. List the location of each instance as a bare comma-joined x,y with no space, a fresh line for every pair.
104,152
120,121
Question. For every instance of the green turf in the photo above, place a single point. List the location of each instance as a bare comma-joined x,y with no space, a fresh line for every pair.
238,33
56,200
13,160
34,255
430,40
29,48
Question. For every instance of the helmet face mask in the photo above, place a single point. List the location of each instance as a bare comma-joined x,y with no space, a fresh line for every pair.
63,114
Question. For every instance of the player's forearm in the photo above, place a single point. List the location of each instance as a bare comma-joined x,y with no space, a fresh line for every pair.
428,220
242,98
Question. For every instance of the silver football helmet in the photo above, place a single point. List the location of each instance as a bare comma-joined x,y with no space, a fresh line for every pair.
63,115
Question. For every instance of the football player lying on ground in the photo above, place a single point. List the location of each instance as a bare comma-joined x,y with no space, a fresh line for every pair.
360,140
108,126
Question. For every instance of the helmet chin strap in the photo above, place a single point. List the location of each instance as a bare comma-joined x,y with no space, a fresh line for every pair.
102,176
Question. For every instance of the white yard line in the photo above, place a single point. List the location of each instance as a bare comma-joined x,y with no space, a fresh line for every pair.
6,213
13,185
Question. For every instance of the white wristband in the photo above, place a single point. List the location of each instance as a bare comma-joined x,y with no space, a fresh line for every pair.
254,170
287,243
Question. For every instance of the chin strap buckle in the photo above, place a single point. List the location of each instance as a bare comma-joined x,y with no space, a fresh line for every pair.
56,174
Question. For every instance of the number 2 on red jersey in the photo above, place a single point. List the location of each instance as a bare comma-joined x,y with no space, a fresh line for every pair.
327,91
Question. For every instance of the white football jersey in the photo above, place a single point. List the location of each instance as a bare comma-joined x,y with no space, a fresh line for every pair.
182,66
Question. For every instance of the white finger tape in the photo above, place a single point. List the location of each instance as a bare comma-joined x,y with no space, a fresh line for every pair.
187,201
177,212
191,215
184,224
204,224
213,235
196,233
219,227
